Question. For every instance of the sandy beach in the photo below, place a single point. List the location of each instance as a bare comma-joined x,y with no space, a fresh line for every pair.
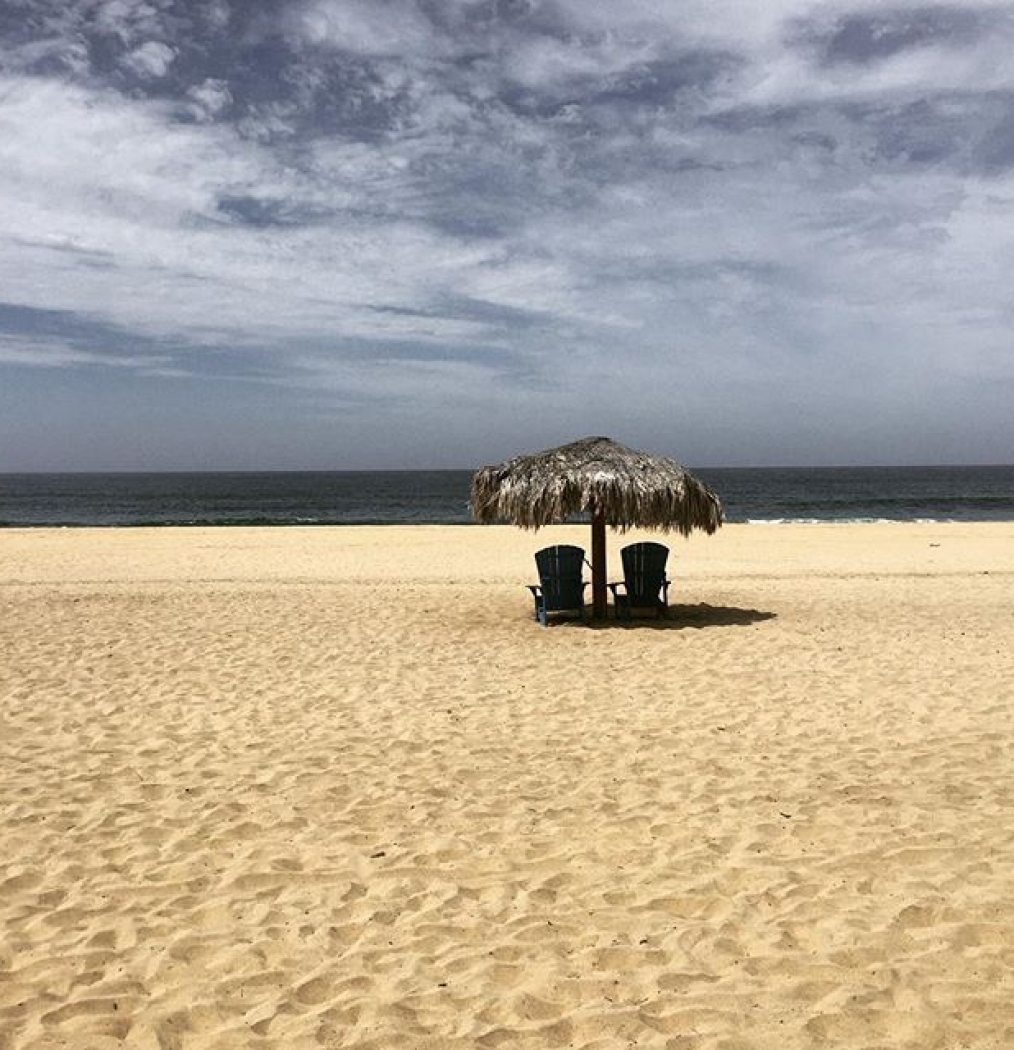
334,787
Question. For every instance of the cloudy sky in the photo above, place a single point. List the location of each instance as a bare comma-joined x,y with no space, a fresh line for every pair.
243,234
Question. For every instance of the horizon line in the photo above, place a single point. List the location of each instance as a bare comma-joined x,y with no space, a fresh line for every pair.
462,470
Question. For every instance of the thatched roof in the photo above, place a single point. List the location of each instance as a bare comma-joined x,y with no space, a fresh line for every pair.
631,489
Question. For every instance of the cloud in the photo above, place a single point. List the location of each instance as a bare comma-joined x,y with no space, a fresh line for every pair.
376,28
516,203
37,338
151,59
876,35
210,99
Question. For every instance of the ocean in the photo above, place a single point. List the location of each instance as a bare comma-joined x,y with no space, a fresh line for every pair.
795,494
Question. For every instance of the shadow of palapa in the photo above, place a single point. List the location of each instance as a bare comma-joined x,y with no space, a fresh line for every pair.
682,617
495,611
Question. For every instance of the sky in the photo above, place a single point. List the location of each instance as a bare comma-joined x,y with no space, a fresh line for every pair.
371,234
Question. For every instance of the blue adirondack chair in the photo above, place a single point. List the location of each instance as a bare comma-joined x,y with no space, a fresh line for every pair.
560,587
645,585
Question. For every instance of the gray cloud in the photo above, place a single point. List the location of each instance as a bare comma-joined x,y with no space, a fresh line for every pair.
878,34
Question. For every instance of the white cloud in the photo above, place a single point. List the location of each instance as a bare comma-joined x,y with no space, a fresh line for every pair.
114,211
547,62
209,98
151,59
366,27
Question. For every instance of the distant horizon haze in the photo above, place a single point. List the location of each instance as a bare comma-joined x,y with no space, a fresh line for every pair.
703,467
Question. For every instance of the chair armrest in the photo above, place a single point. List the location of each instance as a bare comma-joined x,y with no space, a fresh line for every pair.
614,587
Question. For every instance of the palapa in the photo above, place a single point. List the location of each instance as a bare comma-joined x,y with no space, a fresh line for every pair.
617,486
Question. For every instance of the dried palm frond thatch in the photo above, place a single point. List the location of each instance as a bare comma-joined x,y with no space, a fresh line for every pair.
624,487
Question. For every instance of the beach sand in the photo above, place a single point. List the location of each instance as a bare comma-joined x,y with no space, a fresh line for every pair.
334,787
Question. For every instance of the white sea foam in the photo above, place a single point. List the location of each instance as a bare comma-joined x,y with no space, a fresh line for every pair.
847,521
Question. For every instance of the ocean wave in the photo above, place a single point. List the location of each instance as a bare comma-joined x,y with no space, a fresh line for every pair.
847,521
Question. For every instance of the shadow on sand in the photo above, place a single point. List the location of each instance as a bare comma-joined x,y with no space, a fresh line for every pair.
682,617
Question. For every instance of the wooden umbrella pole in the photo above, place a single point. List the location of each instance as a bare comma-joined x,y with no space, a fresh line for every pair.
598,559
